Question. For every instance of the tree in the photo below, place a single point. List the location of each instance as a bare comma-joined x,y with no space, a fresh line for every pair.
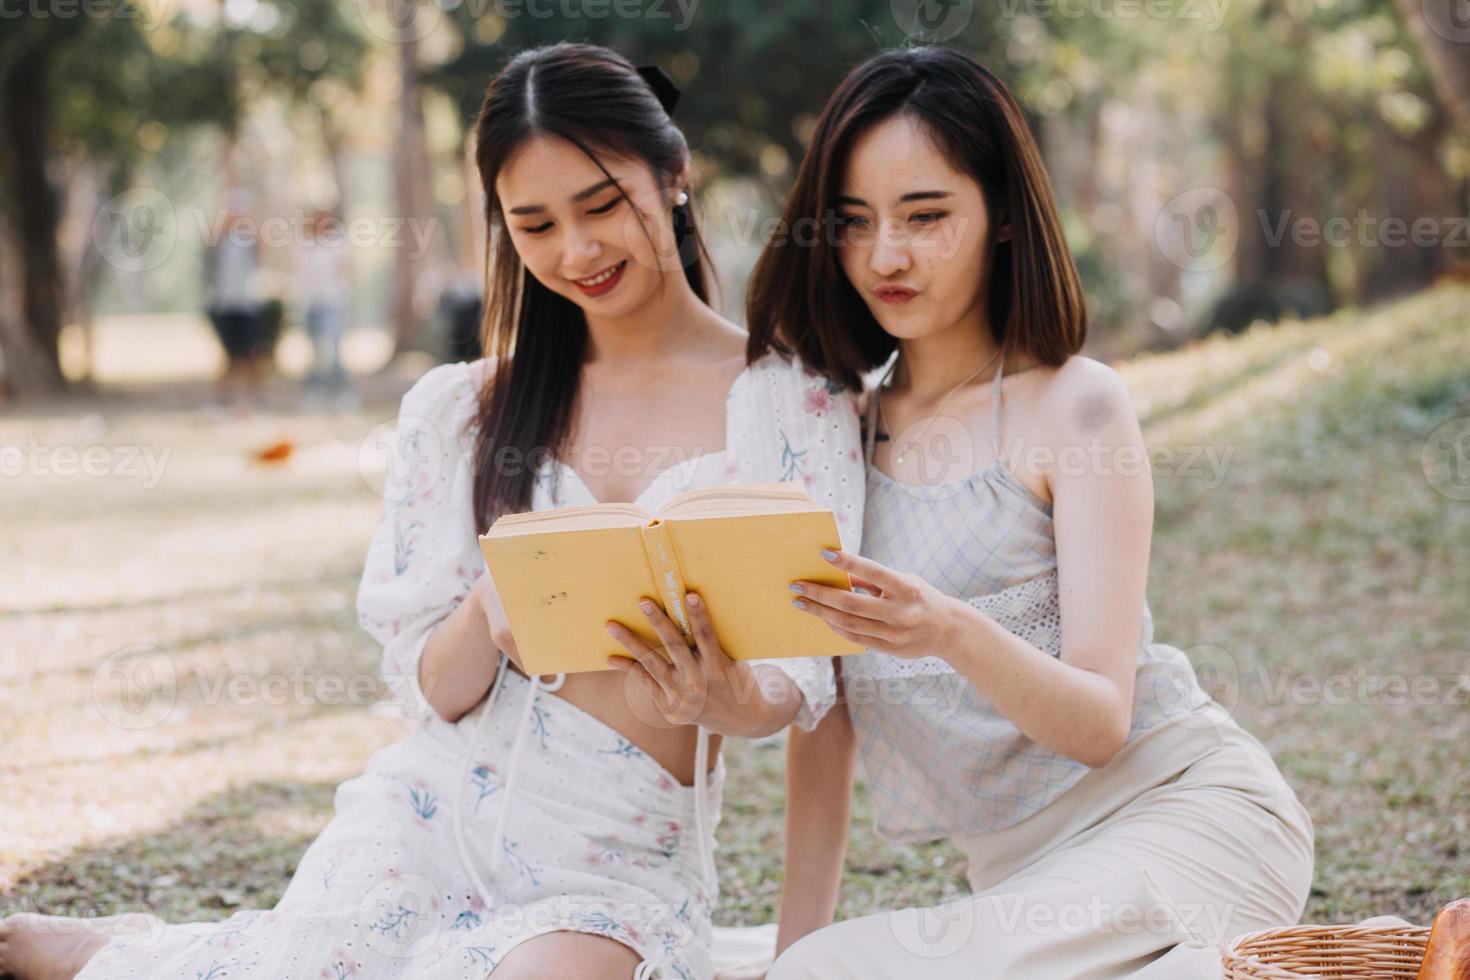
81,89
1445,47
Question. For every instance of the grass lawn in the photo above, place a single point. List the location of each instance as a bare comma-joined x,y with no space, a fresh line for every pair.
1302,554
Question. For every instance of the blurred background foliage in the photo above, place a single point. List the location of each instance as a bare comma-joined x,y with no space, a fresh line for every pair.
1293,110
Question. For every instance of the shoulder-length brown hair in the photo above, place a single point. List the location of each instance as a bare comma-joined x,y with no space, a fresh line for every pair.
596,100
800,299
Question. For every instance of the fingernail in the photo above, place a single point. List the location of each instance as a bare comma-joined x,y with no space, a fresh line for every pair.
692,599
797,587
646,606
612,630
799,603
829,554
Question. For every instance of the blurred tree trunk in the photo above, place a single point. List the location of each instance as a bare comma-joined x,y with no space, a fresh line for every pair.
410,177
1413,187
1448,60
1277,177
32,353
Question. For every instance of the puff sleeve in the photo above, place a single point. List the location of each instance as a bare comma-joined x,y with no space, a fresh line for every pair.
798,425
423,558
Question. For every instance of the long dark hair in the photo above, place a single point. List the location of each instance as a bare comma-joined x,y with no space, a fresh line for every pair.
596,100
800,298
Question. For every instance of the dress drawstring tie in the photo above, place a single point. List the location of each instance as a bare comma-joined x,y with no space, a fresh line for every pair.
497,840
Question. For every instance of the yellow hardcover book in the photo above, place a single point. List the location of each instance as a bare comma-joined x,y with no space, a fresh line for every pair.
562,574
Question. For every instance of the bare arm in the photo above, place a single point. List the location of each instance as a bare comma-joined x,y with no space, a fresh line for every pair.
819,775
1079,704
458,663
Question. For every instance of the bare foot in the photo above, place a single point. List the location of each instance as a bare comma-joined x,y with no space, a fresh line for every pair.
50,947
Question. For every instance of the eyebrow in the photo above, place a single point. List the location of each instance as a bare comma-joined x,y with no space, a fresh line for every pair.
907,198
577,198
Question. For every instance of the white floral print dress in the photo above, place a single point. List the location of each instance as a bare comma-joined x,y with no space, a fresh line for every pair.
597,837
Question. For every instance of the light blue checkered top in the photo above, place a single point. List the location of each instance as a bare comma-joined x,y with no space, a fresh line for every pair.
940,760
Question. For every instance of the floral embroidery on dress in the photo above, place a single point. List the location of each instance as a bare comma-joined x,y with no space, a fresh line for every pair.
482,956
330,872
470,918
341,967
625,749
817,401
538,724
228,936
216,970
423,802
668,841
526,868
486,780
790,458
404,538
603,854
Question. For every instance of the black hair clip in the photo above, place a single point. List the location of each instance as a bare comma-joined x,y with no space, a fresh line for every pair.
663,86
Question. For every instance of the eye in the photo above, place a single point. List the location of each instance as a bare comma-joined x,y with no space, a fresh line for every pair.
929,217
851,221
537,229
605,208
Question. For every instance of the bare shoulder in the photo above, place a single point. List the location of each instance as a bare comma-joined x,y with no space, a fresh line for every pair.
1085,396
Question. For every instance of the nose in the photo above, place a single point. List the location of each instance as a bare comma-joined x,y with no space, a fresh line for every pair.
579,249
890,254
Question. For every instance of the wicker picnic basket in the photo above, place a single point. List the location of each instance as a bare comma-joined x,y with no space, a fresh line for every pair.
1346,951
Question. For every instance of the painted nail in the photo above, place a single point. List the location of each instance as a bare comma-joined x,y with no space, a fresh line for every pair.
692,599
797,587
646,606
799,603
612,630
829,554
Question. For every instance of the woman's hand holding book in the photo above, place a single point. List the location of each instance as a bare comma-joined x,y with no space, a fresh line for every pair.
701,685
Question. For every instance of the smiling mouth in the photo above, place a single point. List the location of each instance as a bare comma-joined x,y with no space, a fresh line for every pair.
602,279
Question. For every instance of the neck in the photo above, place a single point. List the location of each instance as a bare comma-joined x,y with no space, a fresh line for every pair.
929,367
665,324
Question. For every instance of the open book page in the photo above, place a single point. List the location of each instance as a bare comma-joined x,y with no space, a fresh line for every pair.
731,500
735,499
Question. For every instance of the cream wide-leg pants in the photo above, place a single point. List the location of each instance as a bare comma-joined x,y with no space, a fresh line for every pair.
1188,838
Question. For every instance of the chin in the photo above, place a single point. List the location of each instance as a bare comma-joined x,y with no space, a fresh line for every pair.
903,324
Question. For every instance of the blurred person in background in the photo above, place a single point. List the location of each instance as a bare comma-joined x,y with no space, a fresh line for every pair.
321,269
232,268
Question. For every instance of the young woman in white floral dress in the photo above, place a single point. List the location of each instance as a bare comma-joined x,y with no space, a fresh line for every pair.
528,826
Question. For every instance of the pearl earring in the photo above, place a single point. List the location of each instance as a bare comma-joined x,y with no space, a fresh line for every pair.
682,199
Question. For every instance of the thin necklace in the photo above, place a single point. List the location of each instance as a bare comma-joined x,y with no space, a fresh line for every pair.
898,458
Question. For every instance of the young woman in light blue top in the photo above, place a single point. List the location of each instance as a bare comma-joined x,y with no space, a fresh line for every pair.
1011,699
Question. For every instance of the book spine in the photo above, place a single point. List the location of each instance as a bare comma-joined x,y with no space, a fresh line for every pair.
663,563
